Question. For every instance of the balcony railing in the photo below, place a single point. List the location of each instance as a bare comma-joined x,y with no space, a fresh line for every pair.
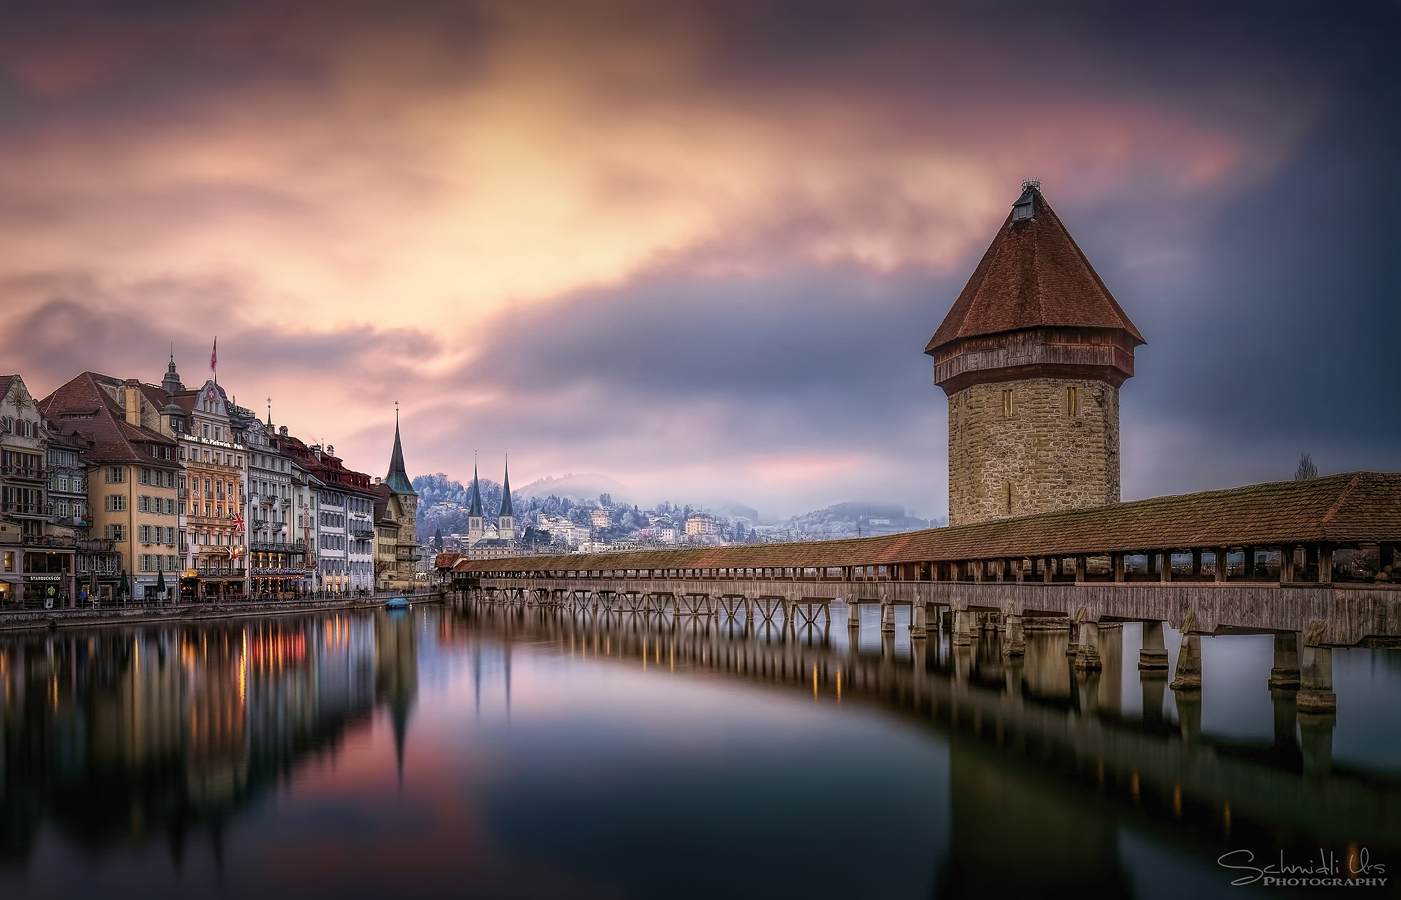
21,509
32,473
102,565
72,521
277,546
48,540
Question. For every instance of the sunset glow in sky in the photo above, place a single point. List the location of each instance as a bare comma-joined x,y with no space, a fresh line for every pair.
699,247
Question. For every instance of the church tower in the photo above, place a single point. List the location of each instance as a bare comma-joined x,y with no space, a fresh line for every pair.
506,522
1031,356
474,511
406,501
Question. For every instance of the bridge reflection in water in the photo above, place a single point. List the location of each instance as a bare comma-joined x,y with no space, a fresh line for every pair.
1046,764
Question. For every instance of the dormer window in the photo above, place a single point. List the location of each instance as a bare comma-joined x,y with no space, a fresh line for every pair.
1025,207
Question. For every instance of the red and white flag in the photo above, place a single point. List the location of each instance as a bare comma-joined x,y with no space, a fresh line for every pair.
214,357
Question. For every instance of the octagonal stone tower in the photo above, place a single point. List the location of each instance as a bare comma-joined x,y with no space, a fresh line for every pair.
1031,356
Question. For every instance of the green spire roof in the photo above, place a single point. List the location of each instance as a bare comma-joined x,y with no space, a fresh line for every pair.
398,479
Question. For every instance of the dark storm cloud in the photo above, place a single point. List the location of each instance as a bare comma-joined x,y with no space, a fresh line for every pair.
700,245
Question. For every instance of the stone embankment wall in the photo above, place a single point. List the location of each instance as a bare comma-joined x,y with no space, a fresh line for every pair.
139,615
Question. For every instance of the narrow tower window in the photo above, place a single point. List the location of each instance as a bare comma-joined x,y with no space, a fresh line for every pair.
1006,404
1072,402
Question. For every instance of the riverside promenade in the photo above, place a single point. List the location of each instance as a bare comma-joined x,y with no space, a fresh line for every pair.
147,613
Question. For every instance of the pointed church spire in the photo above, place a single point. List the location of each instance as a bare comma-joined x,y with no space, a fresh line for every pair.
398,479
476,504
506,490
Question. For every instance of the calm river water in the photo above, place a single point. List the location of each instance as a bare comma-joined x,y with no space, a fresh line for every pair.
483,751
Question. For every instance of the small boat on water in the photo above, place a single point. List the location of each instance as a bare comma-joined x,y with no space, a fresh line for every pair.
396,603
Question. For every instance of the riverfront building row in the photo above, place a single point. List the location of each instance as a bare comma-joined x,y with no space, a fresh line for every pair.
117,488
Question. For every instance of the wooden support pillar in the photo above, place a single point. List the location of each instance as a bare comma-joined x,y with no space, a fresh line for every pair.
1020,563
1286,563
1117,560
1248,563
853,615
1165,567
1150,561
1218,567
1080,563
999,567
1197,563
1047,569
1325,563
979,570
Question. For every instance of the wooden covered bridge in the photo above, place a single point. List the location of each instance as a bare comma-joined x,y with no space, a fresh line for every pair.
1265,558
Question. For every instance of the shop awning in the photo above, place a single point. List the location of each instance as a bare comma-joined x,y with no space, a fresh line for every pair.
12,579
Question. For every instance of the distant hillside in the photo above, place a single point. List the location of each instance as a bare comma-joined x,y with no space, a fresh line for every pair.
587,486
855,518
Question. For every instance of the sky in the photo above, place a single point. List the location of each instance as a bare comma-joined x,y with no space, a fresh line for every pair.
698,247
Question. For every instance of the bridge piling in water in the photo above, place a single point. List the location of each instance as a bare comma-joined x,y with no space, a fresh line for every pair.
1153,654
1189,664
1285,673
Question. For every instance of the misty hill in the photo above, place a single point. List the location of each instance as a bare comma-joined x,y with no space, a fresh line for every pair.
587,486
855,518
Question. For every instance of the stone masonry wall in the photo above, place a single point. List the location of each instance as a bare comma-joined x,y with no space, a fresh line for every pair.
1039,459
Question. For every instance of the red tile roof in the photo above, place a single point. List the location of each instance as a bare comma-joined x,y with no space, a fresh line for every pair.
85,407
1343,509
1033,275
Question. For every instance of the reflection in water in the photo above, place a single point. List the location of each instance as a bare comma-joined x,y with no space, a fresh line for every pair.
116,737
129,733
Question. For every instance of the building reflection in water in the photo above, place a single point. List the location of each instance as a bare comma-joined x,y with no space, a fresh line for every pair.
163,733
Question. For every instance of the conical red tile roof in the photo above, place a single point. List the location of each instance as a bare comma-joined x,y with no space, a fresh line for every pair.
1032,276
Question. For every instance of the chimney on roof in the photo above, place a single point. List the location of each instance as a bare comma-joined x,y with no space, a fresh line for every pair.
132,396
330,450
282,431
